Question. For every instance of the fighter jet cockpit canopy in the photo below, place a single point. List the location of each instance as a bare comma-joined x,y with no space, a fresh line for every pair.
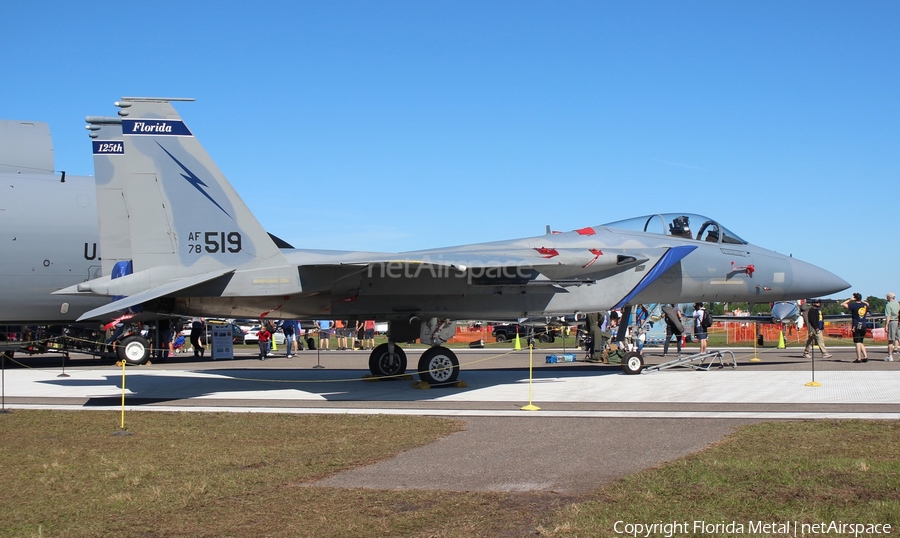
684,225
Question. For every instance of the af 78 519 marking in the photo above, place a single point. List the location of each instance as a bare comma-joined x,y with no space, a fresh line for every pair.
214,242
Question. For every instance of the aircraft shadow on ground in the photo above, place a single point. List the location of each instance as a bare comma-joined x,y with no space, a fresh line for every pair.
309,385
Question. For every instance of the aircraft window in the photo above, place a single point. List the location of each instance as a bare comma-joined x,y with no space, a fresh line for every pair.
679,225
711,231
715,233
655,224
732,239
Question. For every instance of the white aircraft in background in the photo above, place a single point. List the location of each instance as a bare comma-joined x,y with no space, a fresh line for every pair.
48,230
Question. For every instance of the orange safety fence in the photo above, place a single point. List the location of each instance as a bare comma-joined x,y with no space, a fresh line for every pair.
734,332
746,332
465,335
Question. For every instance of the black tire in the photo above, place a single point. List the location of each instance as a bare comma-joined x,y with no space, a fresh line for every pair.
384,364
545,338
438,366
133,349
311,343
632,363
501,337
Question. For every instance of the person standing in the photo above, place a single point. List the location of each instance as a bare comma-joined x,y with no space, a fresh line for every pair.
592,323
196,334
289,328
370,334
859,309
264,336
674,327
360,333
164,328
815,328
699,327
340,327
271,327
324,326
891,319
638,334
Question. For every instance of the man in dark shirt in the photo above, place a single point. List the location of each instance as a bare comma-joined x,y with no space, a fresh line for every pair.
196,333
859,309
815,330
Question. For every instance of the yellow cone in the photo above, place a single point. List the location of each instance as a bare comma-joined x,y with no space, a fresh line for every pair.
781,340
518,345
274,347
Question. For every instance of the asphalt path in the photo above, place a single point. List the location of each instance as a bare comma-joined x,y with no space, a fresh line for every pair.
593,423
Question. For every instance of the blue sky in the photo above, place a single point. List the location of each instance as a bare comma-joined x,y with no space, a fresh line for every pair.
402,125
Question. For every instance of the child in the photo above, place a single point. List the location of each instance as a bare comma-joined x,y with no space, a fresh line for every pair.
264,336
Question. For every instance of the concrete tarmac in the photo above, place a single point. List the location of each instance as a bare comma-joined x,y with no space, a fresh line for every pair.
594,424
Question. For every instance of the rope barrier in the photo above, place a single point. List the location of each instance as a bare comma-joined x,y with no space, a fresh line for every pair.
101,344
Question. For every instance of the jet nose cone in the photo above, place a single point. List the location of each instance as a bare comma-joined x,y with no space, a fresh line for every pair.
811,281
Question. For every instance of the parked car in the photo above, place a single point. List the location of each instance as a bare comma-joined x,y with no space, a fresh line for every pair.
505,332
237,333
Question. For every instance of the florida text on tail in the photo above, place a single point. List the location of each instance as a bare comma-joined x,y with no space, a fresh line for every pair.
197,250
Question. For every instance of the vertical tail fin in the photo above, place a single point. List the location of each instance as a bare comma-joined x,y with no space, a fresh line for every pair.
115,225
182,210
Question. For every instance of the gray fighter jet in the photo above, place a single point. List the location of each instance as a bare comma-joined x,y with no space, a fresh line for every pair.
197,250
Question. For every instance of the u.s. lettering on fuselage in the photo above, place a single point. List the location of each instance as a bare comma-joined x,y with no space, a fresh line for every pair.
214,242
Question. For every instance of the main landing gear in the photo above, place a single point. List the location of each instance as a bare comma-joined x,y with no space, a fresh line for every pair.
437,365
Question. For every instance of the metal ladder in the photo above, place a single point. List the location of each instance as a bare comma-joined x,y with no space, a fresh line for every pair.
713,356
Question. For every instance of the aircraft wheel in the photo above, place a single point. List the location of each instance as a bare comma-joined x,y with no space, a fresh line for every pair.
545,338
383,363
133,349
633,363
438,366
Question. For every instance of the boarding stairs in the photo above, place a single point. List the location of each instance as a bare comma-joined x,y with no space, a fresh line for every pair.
700,361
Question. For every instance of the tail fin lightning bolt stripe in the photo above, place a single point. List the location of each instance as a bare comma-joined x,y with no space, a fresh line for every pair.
194,180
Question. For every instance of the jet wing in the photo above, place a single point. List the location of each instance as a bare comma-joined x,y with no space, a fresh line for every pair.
532,267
